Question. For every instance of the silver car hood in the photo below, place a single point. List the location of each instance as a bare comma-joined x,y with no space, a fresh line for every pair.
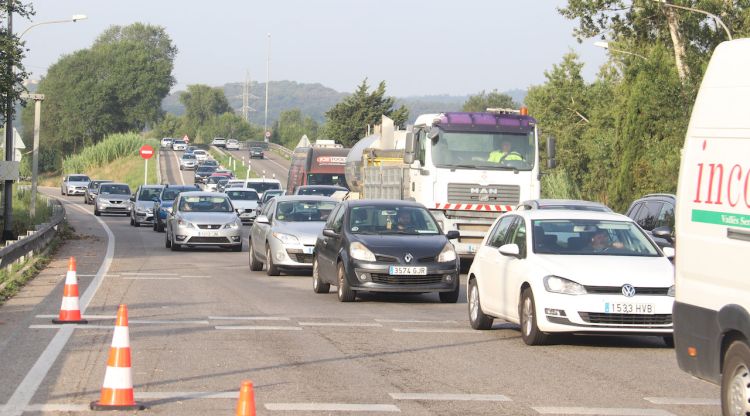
209,217
77,184
306,231
114,197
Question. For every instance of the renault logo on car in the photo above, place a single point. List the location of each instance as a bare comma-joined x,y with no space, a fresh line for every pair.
628,290
408,257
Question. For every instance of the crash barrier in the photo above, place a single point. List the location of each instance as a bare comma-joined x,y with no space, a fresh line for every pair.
34,242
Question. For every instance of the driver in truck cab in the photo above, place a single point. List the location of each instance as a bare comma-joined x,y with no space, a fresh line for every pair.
506,152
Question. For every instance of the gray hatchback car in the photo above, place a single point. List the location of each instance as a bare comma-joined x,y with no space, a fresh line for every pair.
113,198
203,219
142,204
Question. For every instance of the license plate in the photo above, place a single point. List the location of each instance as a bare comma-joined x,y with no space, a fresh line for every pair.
208,234
407,270
629,308
307,250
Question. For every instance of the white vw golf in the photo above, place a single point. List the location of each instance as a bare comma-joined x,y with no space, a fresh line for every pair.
553,271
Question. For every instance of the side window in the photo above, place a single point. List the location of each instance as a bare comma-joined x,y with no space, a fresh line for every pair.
500,233
519,238
666,216
338,220
267,209
648,215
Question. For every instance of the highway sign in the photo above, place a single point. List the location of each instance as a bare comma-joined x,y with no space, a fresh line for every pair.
147,151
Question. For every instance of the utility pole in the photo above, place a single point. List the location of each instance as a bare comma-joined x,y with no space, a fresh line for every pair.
268,69
9,148
246,96
38,98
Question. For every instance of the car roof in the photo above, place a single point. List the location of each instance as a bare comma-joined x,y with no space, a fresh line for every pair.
321,187
304,198
179,187
203,193
536,203
383,203
116,183
262,180
569,214
151,186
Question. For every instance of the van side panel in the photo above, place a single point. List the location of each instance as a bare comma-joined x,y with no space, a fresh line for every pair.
713,214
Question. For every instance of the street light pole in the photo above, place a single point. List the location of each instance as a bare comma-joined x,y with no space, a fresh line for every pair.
268,71
605,45
9,148
711,15
74,18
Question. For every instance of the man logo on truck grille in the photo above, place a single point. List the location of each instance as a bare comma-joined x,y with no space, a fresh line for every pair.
628,290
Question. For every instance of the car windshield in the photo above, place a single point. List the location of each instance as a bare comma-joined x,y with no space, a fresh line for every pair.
170,194
591,237
242,195
96,184
179,142
78,178
391,219
205,204
206,169
216,179
312,190
304,211
478,150
148,194
188,156
256,149
261,187
269,195
114,189
212,163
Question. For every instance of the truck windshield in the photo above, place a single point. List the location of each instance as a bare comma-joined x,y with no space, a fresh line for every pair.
484,150
326,179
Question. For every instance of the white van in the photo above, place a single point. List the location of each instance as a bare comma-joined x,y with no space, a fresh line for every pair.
712,302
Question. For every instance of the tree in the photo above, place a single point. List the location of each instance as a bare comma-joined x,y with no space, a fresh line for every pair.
11,56
291,126
347,121
229,125
483,101
202,103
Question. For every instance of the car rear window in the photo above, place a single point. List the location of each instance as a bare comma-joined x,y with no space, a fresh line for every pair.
78,178
147,194
114,189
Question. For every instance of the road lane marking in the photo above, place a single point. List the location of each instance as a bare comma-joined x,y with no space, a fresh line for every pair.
331,407
151,278
259,328
89,317
197,277
601,411
182,179
72,326
149,274
58,407
683,401
413,321
439,330
187,395
450,397
167,322
28,387
248,318
340,324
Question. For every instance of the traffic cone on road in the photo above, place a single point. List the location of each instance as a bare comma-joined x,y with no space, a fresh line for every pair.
70,312
117,389
246,402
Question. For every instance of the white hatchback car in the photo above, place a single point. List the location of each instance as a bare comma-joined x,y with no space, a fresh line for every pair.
554,271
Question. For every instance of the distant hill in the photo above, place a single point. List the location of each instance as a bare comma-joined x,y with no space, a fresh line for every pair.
315,99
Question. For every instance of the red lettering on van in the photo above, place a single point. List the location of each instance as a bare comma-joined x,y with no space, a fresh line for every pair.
714,168
733,201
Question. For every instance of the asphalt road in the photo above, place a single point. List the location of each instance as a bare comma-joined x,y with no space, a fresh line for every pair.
272,166
201,322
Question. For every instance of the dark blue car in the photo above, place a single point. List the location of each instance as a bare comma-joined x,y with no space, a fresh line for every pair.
163,203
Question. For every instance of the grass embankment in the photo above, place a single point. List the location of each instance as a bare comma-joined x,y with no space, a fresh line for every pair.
126,169
225,159
22,220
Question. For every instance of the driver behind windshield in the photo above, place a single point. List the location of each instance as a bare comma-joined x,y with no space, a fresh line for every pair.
506,152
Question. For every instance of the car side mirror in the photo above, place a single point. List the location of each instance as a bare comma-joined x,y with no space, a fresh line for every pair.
452,234
262,219
664,232
510,250
409,148
132,198
669,252
330,233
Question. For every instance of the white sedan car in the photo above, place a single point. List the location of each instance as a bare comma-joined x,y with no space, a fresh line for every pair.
554,271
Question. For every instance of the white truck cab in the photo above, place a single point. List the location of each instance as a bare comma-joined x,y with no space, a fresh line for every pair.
712,299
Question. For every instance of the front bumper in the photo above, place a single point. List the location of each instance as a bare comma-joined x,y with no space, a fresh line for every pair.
596,313
76,190
291,256
188,165
376,277
144,217
197,236
113,207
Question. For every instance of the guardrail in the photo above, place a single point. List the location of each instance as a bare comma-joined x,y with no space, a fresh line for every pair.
33,242
280,149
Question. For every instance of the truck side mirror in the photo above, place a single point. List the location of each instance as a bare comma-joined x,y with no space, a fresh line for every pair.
409,148
551,152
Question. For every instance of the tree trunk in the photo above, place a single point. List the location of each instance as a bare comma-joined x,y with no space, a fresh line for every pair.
679,45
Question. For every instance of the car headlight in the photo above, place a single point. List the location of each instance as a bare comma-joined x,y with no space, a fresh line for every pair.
557,284
447,254
186,224
670,292
234,225
286,238
358,251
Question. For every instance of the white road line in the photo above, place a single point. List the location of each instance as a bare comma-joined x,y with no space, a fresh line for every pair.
187,395
166,322
197,277
332,407
683,401
439,330
149,274
413,321
259,328
248,318
85,275
151,278
27,388
182,179
340,324
601,411
71,326
58,407
450,397
89,317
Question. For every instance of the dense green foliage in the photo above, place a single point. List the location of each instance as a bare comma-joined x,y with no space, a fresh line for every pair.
110,148
620,136
115,86
483,101
290,128
11,55
347,121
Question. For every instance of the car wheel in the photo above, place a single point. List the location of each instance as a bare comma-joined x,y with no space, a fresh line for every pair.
132,222
167,241
97,213
318,285
452,296
345,293
255,265
668,341
527,312
735,380
477,317
271,268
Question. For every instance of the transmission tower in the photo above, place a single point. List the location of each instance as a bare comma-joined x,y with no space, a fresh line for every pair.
246,96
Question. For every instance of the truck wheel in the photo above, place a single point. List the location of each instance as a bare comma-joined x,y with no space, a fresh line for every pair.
527,312
477,318
345,293
318,285
735,380
272,270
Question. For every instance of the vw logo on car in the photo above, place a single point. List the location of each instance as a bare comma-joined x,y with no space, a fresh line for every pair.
628,290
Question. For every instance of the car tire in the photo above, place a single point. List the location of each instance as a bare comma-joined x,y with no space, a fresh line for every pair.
735,379
255,265
271,268
154,226
668,341
452,296
344,292
97,213
530,332
477,318
318,285
167,241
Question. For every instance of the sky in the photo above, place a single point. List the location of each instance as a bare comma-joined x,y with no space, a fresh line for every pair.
418,47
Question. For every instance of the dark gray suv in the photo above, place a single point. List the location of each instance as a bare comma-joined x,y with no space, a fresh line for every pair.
655,214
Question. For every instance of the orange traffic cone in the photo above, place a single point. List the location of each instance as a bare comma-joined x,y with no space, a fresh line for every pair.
70,312
246,403
117,389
